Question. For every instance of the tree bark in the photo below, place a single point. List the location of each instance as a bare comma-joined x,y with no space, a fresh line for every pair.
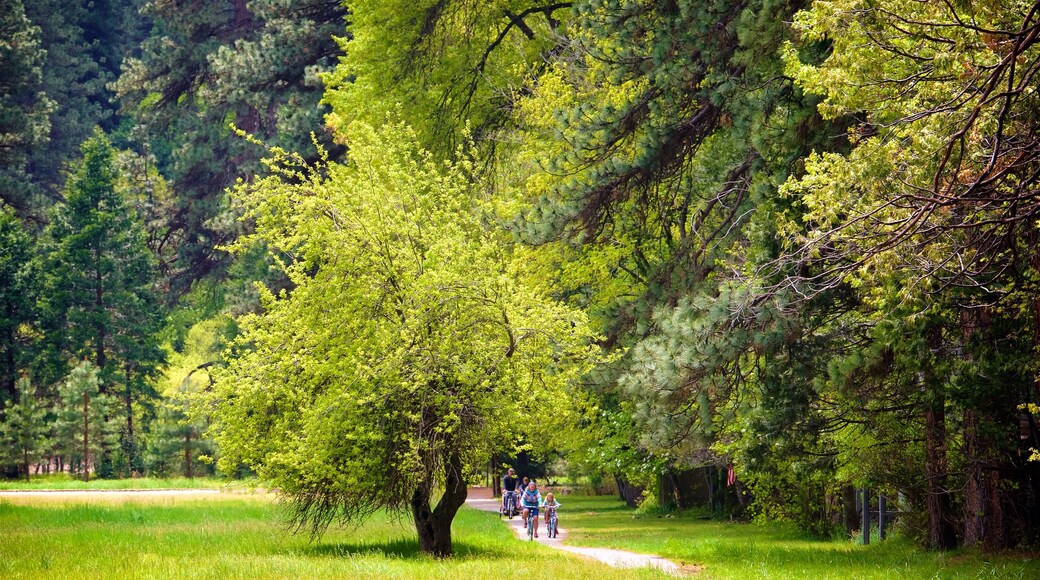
86,434
10,382
941,533
983,513
434,526
849,512
187,454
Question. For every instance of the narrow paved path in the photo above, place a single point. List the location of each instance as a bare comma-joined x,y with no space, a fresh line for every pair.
616,558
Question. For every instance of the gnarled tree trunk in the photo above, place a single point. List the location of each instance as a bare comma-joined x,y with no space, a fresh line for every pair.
434,526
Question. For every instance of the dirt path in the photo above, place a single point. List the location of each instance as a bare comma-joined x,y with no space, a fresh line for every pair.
616,558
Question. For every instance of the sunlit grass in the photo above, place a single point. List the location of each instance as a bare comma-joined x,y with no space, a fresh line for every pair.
244,536
65,482
741,550
235,536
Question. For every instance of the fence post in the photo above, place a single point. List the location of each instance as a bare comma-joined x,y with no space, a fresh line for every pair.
866,516
881,516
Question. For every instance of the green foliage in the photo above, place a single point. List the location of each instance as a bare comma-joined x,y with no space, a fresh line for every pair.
18,292
23,432
84,426
203,68
447,66
99,301
84,45
176,443
24,105
409,347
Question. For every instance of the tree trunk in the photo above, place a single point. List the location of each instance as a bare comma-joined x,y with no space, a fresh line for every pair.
941,533
496,481
131,446
434,527
187,454
676,491
849,512
10,382
86,434
983,513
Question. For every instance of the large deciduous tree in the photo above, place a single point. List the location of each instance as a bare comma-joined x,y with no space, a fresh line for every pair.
410,347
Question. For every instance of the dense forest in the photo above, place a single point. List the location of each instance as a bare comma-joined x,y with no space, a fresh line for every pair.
360,248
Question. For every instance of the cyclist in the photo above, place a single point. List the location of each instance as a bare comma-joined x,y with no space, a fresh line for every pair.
509,483
550,504
530,500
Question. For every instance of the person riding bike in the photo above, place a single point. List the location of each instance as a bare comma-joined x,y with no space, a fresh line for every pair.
530,500
509,483
550,506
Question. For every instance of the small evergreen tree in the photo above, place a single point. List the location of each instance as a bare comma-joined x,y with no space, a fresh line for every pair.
23,434
176,441
81,430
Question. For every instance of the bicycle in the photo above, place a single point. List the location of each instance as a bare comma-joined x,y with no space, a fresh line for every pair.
509,504
532,517
552,527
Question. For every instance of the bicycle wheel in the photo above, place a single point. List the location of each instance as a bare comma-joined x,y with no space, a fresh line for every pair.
530,525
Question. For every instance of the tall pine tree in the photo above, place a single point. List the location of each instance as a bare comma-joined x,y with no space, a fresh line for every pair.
24,106
100,302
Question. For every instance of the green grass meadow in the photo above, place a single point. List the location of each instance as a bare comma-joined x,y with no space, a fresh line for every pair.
62,481
742,550
240,535
244,537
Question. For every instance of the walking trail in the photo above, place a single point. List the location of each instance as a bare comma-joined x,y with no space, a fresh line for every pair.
616,558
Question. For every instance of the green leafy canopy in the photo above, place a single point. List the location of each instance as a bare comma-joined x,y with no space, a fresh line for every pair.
411,341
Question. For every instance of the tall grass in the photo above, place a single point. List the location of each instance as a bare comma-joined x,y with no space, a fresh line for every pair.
243,537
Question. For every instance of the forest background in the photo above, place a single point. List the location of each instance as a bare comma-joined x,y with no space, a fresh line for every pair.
801,237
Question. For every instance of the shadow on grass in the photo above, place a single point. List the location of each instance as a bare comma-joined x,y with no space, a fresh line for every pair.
404,548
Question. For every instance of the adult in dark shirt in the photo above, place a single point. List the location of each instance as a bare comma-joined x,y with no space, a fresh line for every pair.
509,481
509,497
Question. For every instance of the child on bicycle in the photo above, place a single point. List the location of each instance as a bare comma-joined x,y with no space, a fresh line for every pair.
550,504
530,500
